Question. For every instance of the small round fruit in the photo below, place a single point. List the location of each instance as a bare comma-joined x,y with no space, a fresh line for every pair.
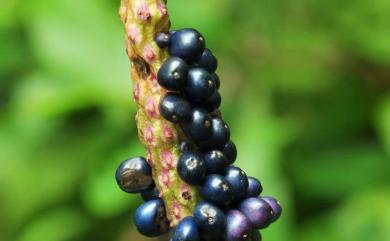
258,211
187,230
207,61
276,207
134,175
174,108
215,162
238,226
213,102
187,44
162,40
254,187
217,81
210,219
191,168
220,135
230,151
200,85
238,180
150,218
184,146
173,74
217,190
150,194
198,127
256,235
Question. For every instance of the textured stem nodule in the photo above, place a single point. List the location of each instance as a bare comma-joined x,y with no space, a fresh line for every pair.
142,20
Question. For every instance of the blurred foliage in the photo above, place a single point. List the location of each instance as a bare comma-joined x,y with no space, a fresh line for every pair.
306,87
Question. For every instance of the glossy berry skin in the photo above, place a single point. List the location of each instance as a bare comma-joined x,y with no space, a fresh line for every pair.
210,219
187,44
187,230
215,162
150,218
256,235
254,187
230,151
162,40
191,168
150,194
220,135
174,108
173,74
238,180
213,102
258,211
198,127
217,190
238,226
207,61
200,85
134,175
276,207
217,81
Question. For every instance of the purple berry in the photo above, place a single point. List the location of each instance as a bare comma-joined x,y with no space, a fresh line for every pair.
217,190
230,151
238,226
217,81
256,235
162,40
238,180
210,219
200,85
187,44
254,187
187,230
276,207
220,135
207,61
215,162
150,218
198,127
134,175
150,194
174,108
213,102
191,168
258,211
173,74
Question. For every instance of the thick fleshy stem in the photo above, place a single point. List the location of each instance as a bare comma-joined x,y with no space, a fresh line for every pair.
142,20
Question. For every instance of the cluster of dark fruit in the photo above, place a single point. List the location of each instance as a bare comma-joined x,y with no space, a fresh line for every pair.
231,209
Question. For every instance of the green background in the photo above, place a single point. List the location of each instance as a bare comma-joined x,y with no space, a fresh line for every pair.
306,91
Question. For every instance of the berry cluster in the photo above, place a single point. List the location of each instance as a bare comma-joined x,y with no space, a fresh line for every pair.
231,209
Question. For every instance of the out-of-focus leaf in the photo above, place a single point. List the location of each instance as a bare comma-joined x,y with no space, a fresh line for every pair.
383,123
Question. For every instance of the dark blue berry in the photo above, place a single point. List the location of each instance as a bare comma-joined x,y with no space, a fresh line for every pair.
238,226
134,175
258,211
150,218
217,81
215,161
213,102
254,187
174,108
256,235
198,127
200,85
187,230
191,168
276,207
150,194
162,40
173,74
210,219
220,135
230,151
184,146
217,190
207,61
187,44
238,180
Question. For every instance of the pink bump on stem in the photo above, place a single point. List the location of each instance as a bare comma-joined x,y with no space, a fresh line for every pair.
150,107
133,33
164,178
149,156
149,53
143,11
177,210
168,133
167,159
155,86
162,7
148,134
136,92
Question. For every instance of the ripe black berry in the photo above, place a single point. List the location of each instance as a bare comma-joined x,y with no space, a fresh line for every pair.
210,218
191,168
256,236
254,187
198,127
174,108
187,230
150,218
200,85
230,151
217,81
207,61
134,175
215,161
219,137
213,102
238,226
217,190
173,74
162,40
276,207
258,211
150,194
187,44
238,180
